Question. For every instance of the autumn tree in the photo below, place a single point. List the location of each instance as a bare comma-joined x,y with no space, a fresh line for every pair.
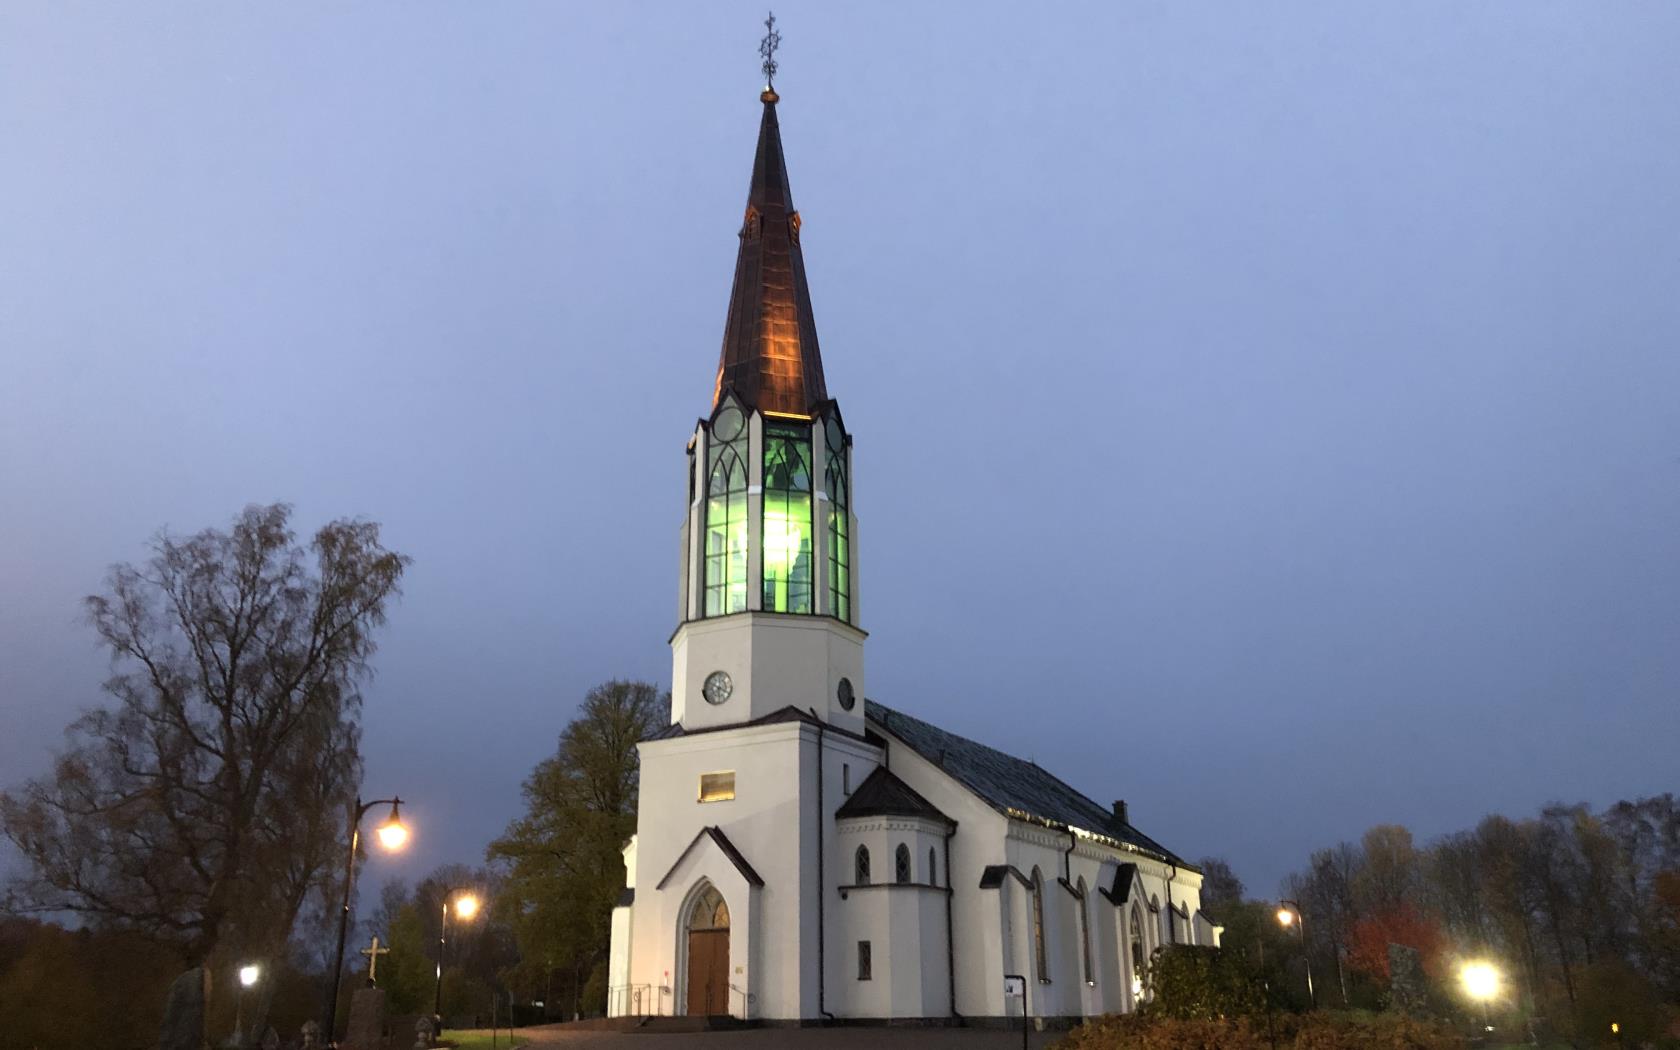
561,860
206,804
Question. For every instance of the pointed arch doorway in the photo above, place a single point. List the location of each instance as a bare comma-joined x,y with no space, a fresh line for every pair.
707,934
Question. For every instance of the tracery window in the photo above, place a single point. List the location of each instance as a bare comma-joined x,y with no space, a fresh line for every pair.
1039,955
901,864
787,520
861,866
709,912
839,487
726,514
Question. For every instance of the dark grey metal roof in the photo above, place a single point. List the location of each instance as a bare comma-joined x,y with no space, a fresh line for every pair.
883,794
1011,785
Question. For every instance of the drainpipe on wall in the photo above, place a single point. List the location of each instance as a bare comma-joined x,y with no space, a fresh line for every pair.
1067,858
950,935
1172,931
822,877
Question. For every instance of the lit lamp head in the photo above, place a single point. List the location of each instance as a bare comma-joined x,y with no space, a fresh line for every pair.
1285,917
466,905
248,974
393,834
1481,981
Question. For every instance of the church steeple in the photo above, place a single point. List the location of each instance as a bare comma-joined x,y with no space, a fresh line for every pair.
770,357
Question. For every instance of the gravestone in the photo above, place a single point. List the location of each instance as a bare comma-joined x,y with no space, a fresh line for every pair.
423,1034
367,1020
183,1013
1408,989
271,1040
311,1036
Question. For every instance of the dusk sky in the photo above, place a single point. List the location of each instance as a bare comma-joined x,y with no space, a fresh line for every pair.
1268,414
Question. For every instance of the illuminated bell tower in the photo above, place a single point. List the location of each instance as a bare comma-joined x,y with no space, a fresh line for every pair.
768,597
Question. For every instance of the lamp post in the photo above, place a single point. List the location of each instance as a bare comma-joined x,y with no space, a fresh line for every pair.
248,975
1289,914
1481,983
392,835
466,906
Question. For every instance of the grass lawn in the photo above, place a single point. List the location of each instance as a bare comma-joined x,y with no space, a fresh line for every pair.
479,1038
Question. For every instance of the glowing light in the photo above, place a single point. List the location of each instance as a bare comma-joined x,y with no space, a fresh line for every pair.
1615,1028
466,905
1137,988
1286,917
1481,980
393,834
248,975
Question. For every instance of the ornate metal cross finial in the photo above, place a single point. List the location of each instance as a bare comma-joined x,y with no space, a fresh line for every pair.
767,48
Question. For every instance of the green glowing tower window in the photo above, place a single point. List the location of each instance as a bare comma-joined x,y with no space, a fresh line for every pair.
839,522
787,520
726,515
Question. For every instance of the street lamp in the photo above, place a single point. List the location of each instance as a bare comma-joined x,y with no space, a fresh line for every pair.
1481,983
248,975
392,835
1289,915
466,906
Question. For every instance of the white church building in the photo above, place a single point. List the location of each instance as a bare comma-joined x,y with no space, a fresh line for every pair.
803,854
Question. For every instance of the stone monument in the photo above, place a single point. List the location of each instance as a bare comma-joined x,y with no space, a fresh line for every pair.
311,1036
367,1020
423,1034
183,1013
1408,989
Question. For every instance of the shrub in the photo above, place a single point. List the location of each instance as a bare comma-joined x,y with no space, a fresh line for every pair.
1315,1031
1195,983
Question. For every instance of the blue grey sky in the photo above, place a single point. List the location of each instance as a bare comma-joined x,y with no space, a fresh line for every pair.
1265,413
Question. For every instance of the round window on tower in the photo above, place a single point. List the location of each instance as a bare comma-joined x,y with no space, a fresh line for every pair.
847,697
718,687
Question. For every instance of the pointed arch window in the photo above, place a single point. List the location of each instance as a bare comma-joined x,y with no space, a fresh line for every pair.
1085,932
1040,957
1137,953
901,864
860,866
839,488
787,520
726,514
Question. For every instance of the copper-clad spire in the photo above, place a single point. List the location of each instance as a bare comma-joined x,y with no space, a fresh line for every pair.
770,358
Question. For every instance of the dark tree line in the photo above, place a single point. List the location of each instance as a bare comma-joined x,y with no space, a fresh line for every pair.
1579,910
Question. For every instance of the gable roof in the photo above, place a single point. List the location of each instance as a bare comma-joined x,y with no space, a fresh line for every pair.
1010,785
716,835
884,795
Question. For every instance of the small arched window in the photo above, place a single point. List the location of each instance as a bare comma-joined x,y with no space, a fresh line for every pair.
1039,954
933,869
861,872
901,864
1137,953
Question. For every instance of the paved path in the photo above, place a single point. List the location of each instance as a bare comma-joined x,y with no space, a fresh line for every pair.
792,1039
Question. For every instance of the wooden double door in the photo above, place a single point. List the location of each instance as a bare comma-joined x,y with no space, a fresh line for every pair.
708,972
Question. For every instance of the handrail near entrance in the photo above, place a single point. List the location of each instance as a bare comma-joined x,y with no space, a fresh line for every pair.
632,1000
747,999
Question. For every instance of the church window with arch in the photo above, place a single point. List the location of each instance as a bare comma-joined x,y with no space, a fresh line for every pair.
1137,953
839,488
787,520
1040,956
726,514
860,866
901,864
